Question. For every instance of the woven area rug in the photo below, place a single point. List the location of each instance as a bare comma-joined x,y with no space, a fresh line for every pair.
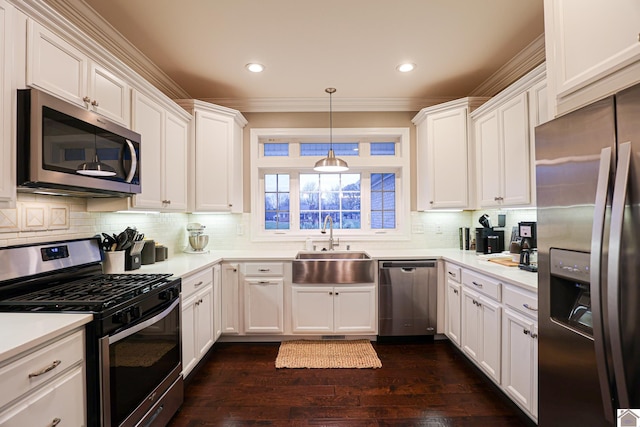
327,354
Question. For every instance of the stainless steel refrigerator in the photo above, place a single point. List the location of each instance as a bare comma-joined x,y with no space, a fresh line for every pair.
588,195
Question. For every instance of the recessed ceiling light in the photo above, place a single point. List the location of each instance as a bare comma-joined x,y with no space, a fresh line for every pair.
406,67
254,67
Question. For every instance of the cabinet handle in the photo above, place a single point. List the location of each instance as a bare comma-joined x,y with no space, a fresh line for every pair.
431,202
477,284
263,282
166,202
526,331
86,99
496,198
198,284
528,307
45,370
451,274
264,270
55,422
455,291
95,103
534,335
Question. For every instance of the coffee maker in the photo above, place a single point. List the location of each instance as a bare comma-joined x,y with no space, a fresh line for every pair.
488,240
528,244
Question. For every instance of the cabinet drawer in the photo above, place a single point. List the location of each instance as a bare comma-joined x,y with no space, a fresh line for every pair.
483,284
32,370
521,300
263,269
453,272
197,281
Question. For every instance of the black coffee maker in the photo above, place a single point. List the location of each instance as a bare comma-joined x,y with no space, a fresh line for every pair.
488,240
527,232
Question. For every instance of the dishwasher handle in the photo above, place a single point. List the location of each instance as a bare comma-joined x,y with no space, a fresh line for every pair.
408,265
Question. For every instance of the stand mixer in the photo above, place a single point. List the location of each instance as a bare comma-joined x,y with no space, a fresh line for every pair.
197,239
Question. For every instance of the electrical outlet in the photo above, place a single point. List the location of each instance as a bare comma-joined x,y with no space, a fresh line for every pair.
417,228
239,229
438,229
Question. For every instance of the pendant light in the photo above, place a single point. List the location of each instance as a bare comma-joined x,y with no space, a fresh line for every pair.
96,167
331,163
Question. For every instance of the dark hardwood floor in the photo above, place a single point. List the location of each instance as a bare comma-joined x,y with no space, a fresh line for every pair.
420,384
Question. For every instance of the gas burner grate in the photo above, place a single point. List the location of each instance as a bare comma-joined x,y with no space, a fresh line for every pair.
93,293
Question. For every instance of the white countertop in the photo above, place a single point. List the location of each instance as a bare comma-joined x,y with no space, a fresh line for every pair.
183,264
22,331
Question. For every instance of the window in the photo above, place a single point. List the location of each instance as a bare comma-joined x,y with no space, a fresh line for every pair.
291,201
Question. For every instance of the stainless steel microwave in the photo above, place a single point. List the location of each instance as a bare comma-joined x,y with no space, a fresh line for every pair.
64,149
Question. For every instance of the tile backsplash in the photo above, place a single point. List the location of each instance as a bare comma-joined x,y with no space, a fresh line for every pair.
38,218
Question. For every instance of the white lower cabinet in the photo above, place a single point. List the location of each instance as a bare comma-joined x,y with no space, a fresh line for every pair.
230,299
263,305
454,307
520,350
46,387
197,318
333,309
481,325
217,301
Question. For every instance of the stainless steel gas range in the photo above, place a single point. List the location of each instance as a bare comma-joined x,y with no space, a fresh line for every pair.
133,357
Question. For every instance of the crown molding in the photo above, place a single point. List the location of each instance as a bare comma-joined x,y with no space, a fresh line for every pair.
526,60
95,26
292,105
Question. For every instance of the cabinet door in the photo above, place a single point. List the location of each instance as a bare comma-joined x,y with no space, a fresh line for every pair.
516,164
519,363
230,299
63,400
447,146
471,327
452,328
204,320
148,119
489,159
217,302
212,155
55,65
491,326
7,168
263,306
589,42
312,309
354,309
109,94
188,324
175,170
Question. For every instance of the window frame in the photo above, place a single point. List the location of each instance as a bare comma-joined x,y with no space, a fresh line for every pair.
364,164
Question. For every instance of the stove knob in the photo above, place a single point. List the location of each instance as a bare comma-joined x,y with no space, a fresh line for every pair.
135,312
123,317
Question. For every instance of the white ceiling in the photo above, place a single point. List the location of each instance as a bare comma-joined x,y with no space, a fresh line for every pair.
307,46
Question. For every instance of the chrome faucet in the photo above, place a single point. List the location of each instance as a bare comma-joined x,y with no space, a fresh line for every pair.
324,231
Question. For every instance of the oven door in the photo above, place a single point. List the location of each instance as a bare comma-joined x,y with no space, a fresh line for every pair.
139,364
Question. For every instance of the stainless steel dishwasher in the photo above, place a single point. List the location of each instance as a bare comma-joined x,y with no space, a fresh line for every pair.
407,297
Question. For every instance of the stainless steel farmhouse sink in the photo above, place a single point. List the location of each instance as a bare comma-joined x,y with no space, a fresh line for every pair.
333,268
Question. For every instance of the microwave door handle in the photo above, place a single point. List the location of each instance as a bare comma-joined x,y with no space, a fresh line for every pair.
134,162
597,234
613,279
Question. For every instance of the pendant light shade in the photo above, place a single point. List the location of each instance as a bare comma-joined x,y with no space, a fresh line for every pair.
95,168
331,163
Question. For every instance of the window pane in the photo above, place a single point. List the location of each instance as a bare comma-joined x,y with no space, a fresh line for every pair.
351,201
276,201
309,182
309,201
330,201
283,202
271,182
383,148
350,181
329,182
270,201
283,183
309,220
272,149
351,220
322,148
383,201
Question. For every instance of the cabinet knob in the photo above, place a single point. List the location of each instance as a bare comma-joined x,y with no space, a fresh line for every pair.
455,291
95,103
431,202
55,422
337,293
86,99
526,331
330,293
534,335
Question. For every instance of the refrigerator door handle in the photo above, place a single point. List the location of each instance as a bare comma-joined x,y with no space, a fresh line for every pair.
597,235
613,279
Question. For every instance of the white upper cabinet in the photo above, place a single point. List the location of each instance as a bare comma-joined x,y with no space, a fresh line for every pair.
503,136
443,154
592,49
7,141
215,157
58,67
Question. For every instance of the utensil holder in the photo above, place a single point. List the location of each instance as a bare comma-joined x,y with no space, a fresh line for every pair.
113,262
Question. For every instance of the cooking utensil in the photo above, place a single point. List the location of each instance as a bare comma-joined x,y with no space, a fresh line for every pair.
108,242
485,221
121,240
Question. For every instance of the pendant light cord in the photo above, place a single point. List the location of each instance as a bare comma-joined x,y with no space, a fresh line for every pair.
330,91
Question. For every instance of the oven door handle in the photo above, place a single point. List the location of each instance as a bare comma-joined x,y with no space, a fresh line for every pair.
140,326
